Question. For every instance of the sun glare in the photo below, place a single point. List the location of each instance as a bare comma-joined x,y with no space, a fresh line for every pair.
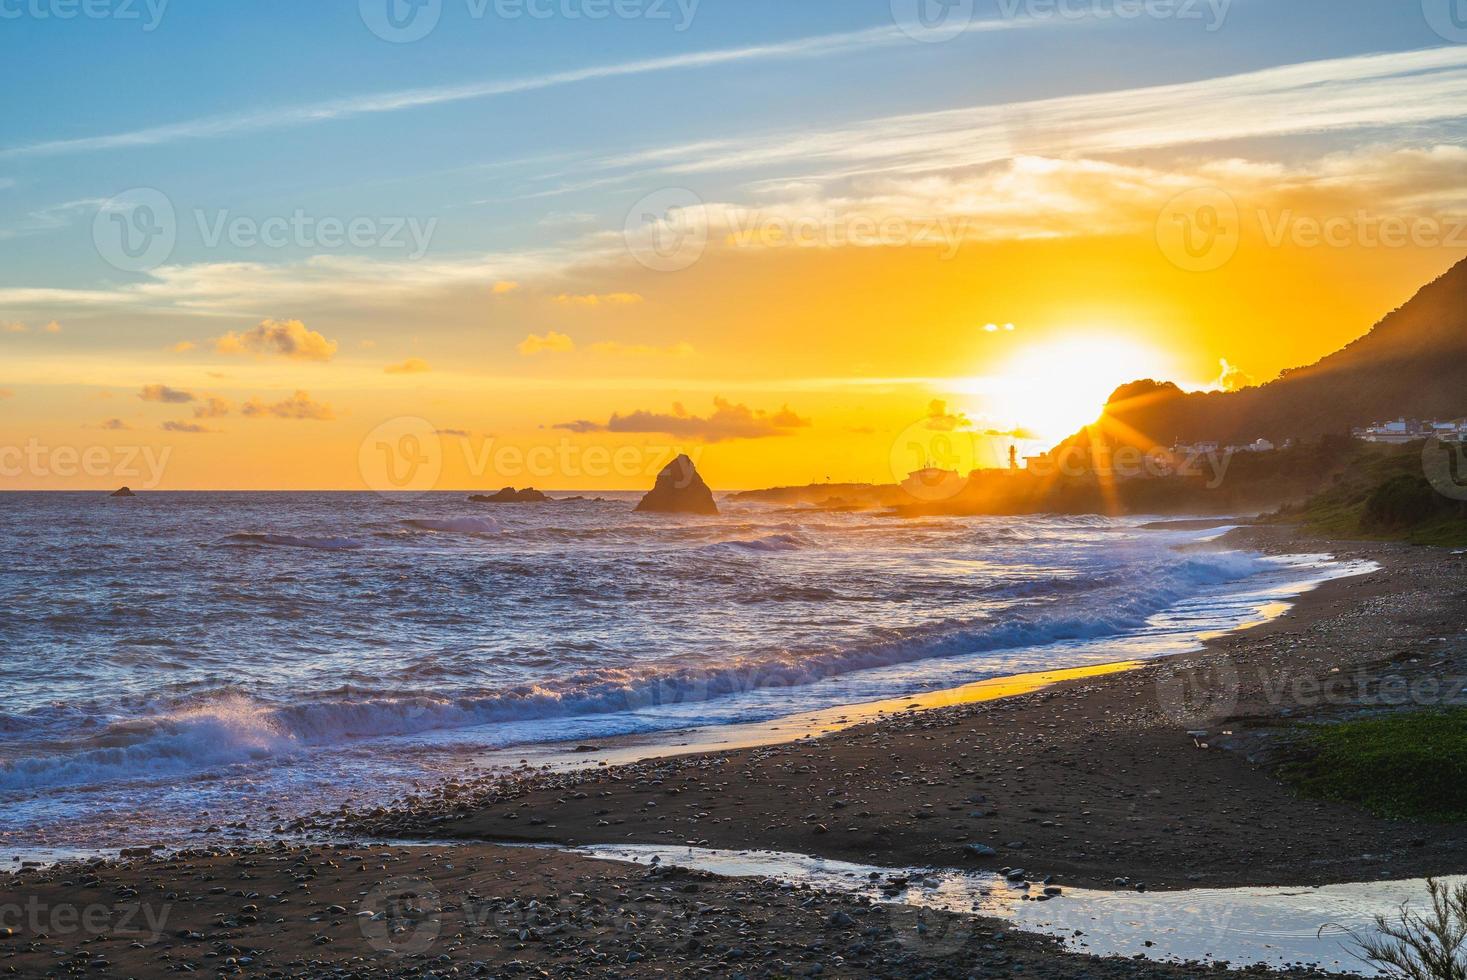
1055,389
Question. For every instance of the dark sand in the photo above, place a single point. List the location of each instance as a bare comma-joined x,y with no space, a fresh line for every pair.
480,910
1090,780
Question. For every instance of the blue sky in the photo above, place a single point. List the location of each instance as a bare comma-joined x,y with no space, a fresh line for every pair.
870,201
471,163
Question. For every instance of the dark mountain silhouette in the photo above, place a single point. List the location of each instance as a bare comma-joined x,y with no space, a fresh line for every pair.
1413,363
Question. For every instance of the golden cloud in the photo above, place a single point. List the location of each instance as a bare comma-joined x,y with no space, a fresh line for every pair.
280,338
166,395
299,406
599,299
551,343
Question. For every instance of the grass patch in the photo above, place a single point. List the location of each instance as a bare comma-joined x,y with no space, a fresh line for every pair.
1382,494
1401,766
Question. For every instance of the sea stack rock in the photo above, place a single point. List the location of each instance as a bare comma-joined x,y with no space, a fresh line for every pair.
679,490
124,492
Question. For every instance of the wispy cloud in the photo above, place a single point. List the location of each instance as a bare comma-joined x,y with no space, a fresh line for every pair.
235,124
1380,90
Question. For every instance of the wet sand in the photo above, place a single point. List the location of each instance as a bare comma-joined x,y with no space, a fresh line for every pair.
1156,777
1093,779
477,910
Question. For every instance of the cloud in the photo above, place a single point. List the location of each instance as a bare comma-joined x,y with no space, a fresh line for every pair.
16,326
457,433
217,126
183,347
115,425
1231,377
1397,89
166,395
214,408
941,420
189,428
1016,433
581,426
299,406
413,365
552,343
505,286
728,421
53,327
282,338
6,393
599,299
641,350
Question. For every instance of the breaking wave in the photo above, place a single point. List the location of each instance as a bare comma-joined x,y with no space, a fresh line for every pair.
230,729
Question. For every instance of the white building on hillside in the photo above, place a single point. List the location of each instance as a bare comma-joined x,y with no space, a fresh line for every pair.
1405,430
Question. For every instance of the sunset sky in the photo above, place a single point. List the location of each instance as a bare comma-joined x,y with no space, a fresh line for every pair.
297,245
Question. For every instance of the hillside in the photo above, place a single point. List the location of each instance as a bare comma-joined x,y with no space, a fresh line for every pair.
1412,363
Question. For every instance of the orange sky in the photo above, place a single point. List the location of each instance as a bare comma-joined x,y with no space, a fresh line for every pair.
790,291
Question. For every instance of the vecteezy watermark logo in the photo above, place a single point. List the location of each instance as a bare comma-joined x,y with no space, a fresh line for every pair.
401,456
402,916
932,462
1210,13
667,231
141,466
140,919
149,13
1445,465
1200,695
930,933
136,230
1199,230
932,21
1362,229
410,235
401,21
1447,17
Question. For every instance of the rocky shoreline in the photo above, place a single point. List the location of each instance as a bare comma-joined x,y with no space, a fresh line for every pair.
1161,777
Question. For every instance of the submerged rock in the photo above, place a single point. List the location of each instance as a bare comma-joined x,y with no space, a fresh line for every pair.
679,490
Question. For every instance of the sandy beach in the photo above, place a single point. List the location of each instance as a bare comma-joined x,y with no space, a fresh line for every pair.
1159,776
1095,779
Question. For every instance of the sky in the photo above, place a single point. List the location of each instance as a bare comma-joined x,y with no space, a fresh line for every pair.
410,245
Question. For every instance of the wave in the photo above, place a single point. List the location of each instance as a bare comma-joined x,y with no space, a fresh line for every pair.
292,541
457,525
231,728
767,543
226,731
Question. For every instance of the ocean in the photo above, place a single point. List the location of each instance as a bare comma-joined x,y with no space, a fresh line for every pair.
179,662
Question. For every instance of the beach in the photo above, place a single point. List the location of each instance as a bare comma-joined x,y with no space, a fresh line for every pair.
1094,779
1157,777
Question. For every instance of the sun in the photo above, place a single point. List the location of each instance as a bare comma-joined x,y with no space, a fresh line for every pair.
1055,389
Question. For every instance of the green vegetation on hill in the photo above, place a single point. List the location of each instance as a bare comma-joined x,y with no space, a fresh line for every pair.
1384,494
1400,766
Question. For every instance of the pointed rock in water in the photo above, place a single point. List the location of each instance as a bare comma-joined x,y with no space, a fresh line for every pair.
124,492
679,490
